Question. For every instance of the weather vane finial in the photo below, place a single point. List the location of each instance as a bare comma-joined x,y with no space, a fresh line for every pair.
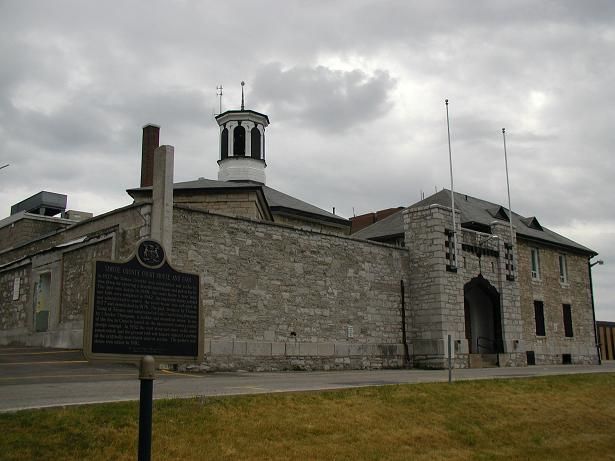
219,93
242,85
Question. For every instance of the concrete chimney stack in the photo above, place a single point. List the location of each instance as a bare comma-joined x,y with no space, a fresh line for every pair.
151,141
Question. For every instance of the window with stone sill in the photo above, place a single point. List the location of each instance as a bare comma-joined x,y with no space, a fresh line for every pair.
563,270
535,260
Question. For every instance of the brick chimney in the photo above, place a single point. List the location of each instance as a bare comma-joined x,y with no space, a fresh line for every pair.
151,135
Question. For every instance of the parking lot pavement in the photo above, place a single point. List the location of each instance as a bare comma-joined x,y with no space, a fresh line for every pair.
37,378
27,365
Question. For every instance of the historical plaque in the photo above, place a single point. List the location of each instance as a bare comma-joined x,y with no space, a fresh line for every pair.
144,307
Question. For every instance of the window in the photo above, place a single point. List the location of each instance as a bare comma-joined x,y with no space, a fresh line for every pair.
563,269
535,264
539,318
567,311
224,144
255,141
239,141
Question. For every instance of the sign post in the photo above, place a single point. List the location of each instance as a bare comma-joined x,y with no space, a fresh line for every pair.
142,311
146,376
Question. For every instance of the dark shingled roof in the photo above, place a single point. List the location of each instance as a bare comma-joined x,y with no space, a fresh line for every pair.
474,212
390,226
278,201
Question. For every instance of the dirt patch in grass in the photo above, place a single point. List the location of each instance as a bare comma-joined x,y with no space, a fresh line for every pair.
563,418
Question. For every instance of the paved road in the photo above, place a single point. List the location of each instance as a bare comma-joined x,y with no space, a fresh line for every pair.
36,378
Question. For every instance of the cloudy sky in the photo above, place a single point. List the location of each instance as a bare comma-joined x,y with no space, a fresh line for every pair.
354,90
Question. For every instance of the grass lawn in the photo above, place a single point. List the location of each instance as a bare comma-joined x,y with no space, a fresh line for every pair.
559,418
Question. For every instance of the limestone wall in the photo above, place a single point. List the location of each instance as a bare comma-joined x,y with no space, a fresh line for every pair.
63,263
275,297
14,297
553,293
28,228
130,224
77,266
234,203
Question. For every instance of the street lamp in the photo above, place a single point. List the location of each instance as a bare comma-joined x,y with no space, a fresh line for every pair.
591,290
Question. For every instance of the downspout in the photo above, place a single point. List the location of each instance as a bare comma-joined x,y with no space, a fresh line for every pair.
591,291
403,325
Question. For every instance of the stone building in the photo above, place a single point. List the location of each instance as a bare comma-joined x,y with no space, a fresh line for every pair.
606,337
285,285
521,291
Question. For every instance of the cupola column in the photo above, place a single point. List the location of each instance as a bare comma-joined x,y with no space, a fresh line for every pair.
262,130
248,126
231,136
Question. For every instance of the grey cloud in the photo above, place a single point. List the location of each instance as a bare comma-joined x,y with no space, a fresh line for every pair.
329,100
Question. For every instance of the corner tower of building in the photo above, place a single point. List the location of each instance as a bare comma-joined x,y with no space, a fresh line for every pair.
242,145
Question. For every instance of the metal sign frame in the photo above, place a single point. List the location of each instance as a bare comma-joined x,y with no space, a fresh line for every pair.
149,259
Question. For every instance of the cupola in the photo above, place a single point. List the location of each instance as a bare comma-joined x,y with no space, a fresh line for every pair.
242,144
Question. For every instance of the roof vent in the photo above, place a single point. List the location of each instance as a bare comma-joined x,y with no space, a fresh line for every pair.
44,203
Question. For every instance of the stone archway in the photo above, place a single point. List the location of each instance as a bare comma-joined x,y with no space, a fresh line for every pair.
483,321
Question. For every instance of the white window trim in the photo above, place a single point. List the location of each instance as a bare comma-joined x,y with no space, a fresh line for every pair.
535,273
563,279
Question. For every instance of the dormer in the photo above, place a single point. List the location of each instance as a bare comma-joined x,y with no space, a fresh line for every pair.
499,213
532,223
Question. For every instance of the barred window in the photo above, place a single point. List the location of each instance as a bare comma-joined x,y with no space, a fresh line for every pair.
567,311
539,318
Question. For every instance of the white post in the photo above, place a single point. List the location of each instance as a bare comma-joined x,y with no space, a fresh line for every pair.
450,160
508,189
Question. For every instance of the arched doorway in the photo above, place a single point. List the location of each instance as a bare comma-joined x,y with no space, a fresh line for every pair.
483,320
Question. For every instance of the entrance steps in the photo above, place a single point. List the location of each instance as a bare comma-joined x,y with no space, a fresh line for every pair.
484,361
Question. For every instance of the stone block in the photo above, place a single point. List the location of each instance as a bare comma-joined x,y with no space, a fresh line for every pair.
357,349
325,349
239,348
308,349
258,348
292,349
221,347
429,347
278,348
342,349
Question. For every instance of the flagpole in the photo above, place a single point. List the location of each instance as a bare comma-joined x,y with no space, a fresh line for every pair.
508,189
450,160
